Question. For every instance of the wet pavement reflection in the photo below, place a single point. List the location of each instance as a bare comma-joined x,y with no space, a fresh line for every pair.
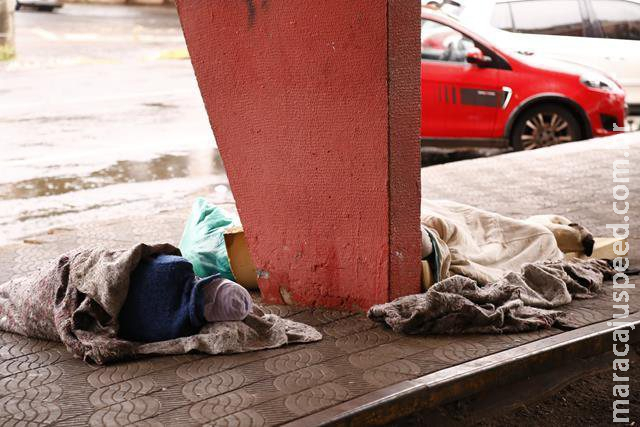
122,188
168,166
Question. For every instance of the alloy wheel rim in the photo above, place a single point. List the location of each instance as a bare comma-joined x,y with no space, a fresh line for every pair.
544,130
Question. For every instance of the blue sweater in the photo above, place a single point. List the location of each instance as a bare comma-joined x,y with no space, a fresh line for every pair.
165,301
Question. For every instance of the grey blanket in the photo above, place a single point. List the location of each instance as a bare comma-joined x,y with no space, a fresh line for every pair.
516,303
77,301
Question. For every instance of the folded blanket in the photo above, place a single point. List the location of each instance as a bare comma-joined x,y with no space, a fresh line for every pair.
78,299
517,302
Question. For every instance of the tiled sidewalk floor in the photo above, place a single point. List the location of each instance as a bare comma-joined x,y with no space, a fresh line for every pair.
41,384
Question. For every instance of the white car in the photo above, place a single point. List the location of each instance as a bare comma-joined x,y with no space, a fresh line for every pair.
603,34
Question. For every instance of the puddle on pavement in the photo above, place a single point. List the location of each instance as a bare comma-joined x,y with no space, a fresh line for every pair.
167,166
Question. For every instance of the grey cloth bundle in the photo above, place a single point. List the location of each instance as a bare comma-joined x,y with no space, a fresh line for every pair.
518,302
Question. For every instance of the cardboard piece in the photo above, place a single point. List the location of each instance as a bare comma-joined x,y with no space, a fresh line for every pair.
602,248
242,266
427,275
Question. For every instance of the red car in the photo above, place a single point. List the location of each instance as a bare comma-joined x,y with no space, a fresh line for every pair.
475,94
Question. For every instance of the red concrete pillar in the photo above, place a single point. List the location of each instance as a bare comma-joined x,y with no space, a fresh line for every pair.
315,108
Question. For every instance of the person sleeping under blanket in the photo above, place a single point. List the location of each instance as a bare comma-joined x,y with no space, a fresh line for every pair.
166,301
495,274
484,246
110,305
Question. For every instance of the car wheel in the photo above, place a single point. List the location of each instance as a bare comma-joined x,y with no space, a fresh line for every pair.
544,126
18,5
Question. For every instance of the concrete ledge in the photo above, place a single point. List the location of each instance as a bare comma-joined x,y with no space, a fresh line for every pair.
487,373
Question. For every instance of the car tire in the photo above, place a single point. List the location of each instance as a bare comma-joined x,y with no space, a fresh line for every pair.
544,126
18,5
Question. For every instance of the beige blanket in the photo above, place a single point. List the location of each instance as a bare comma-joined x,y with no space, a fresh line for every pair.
482,245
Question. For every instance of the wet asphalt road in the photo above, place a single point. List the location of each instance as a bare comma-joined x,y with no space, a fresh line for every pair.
95,124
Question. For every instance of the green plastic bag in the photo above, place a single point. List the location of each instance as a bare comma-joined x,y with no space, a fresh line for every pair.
202,241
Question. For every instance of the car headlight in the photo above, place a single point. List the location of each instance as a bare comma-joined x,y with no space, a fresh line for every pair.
599,82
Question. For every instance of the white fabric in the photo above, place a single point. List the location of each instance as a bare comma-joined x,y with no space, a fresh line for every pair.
483,245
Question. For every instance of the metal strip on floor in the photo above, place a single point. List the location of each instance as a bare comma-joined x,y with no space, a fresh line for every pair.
460,381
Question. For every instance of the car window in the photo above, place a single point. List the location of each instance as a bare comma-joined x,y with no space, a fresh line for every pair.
443,43
501,17
619,19
552,17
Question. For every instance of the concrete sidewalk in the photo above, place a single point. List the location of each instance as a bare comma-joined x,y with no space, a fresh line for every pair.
40,383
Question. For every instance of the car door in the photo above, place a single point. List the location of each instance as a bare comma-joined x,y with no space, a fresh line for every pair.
459,99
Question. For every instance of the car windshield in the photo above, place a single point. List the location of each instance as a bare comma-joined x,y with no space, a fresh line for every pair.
493,36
